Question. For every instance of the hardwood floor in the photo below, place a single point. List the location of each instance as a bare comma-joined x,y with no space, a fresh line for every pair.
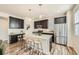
18,49
62,50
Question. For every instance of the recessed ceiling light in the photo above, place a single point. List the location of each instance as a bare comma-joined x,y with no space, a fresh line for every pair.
40,4
29,9
58,11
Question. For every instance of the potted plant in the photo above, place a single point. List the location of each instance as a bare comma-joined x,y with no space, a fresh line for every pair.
1,51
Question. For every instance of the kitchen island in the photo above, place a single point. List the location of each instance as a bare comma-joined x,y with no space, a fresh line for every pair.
45,42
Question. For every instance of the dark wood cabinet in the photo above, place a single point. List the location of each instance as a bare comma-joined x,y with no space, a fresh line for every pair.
50,45
12,23
13,39
16,23
43,23
20,23
60,20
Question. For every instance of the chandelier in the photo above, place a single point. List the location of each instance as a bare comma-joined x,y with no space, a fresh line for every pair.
41,16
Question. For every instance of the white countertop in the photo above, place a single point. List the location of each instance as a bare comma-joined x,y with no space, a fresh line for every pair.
43,36
47,32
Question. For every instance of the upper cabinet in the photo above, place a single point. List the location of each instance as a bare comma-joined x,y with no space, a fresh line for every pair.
41,24
16,23
60,20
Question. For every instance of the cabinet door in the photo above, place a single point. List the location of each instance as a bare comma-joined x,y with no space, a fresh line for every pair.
12,23
13,38
42,23
36,23
60,20
45,24
21,24
18,23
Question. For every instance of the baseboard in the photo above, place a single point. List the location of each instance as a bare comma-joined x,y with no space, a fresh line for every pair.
61,44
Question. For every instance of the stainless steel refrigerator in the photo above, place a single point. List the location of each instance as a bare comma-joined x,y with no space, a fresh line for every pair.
60,28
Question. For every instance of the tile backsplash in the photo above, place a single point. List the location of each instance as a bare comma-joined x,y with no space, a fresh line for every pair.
15,31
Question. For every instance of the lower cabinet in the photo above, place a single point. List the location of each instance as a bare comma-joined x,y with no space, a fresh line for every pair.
13,39
50,44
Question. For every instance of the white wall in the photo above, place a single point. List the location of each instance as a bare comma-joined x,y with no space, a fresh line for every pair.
28,21
4,26
73,40
51,23
69,23
3,29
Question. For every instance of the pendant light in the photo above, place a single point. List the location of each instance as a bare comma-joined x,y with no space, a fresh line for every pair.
40,16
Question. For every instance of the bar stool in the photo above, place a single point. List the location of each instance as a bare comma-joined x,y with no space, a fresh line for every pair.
29,44
38,45
21,41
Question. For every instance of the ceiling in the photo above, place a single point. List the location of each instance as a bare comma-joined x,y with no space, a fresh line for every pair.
22,10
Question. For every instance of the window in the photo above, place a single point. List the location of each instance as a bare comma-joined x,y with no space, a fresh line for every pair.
77,23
